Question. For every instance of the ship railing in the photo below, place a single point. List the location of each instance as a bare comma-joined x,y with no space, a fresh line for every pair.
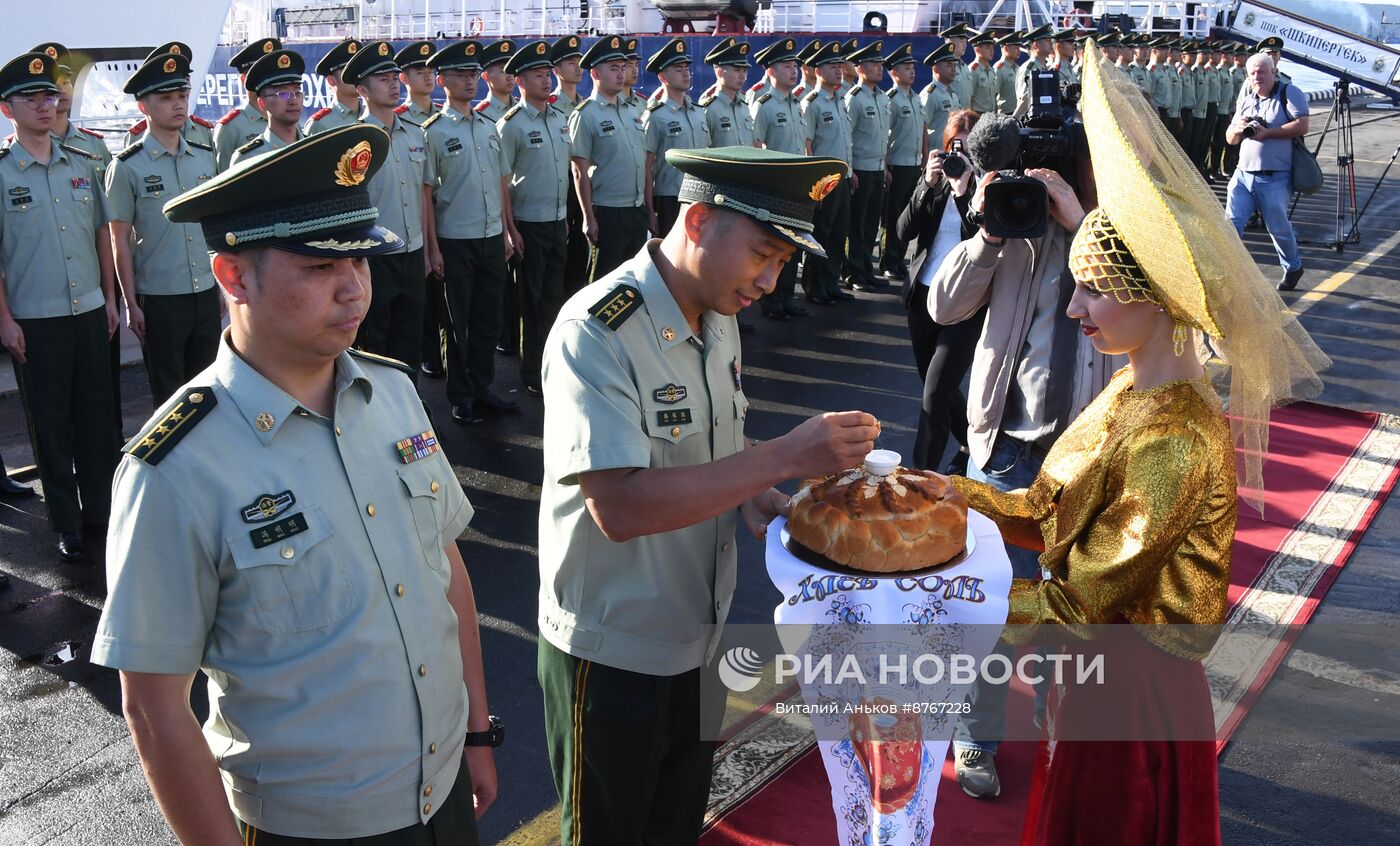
556,18
1164,17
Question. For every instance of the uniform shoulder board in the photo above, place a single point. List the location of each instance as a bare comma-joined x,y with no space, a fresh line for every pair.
137,128
5,149
581,104
154,444
512,112
706,99
320,113
90,132
810,97
765,98
620,303
131,151
655,104
252,145
410,122
382,360
401,108
199,146
75,151
432,119
893,91
233,113
482,106
201,121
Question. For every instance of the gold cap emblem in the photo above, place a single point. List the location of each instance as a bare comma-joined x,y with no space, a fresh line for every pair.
616,42
425,50
788,46
51,51
383,48
573,41
175,48
540,48
824,186
353,165
352,48
268,46
505,46
283,62
743,49
36,67
169,66
471,49
680,46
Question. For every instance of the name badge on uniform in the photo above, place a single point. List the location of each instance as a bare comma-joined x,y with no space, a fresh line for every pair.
156,188
781,119
828,117
724,123
454,145
418,446
673,417
535,137
268,506
870,111
671,394
607,127
279,531
905,111
673,128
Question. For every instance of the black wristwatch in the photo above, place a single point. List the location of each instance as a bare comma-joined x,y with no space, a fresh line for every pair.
493,737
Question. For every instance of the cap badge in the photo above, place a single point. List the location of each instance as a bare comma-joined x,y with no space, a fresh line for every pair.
169,66
824,186
352,48
36,67
175,48
51,51
539,48
383,48
616,42
283,62
680,46
743,49
471,49
268,47
505,46
425,50
788,46
668,333
573,42
353,165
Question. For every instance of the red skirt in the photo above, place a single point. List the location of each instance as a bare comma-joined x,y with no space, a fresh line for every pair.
1130,792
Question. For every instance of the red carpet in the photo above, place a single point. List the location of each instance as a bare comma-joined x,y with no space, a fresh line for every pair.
1328,474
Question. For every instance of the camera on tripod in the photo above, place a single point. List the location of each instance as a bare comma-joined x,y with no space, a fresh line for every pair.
1016,205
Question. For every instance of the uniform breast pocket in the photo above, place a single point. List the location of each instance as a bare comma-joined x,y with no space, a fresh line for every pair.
677,436
294,573
82,195
423,483
741,412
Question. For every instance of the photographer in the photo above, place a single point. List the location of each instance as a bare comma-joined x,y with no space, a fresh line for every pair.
1267,118
1032,371
942,355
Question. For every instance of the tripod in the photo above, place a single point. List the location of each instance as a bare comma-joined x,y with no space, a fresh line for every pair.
1346,174
1353,235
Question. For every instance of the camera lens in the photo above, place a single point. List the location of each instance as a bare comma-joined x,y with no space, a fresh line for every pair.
1019,210
953,166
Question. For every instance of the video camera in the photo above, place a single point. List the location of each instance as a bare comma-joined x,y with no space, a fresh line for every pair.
1016,205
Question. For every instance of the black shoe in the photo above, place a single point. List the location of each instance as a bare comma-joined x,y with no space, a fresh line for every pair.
1290,280
534,390
820,299
862,285
9,487
430,372
492,403
895,273
842,296
776,314
745,327
502,349
71,546
465,416
794,308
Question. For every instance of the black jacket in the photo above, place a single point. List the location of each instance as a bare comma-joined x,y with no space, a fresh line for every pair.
919,222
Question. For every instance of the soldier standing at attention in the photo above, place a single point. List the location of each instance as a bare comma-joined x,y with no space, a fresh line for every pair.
472,210
1064,57
196,129
905,155
1161,85
938,98
1042,49
172,302
402,191
671,123
869,110
981,75
244,123
1006,66
345,109
418,78
730,123
957,35
1193,102
809,81
831,139
566,54
644,404
609,159
778,125
849,78
58,306
274,83
500,85
631,73
536,157
1173,69
288,525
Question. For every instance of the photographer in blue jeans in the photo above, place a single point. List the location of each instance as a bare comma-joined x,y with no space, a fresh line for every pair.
1268,116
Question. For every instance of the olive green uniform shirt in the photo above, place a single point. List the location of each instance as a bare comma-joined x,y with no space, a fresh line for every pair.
1139,76
91,143
493,108
962,84
396,189
169,258
635,388
982,96
48,248
1006,86
1173,75
906,127
535,152
467,160
668,125
731,124
939,101
234,130
609,136
563,102
298,561
778,123
1159,86
831,125
413,112
335,116
262,145
869,109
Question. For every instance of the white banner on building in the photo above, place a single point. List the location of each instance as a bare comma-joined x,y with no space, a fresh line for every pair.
1339,51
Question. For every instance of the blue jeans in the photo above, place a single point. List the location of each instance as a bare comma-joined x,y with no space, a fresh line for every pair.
1012,465
1269,194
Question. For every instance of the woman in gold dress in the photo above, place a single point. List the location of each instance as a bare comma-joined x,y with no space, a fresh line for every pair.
1134,508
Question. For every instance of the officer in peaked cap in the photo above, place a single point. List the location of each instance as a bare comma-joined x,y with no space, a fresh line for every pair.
643,398
171,298
870,136
958,35
566,55
906,153
1063,62
1273,46
982,73
779,125
629,85
500,85
765,85
60,310
809,71
274,83
830,129
197,129
671,122
66,65
246,122
731,125
938,98
414,73
325,456
345,107
1006,67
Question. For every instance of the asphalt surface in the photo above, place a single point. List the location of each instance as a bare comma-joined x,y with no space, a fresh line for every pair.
1317,760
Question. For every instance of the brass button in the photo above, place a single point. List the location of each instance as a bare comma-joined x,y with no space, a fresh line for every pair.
399,590
434,487
428,791
724,547
427,808
675,431
369,509
288,552
422,669
432,748
337,430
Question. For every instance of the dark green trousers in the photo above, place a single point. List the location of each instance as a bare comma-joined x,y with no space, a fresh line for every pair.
626,752
182,338
903,178
830,225
621,233
668,210
475,270
394,324
540,278
454,824
579,259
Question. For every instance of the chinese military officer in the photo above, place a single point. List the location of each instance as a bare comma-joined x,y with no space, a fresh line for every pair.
778,125
670,123
905,155
831,138
870,137
500,86
648,474
197,129
938,98
274,83
418,79
244,123
731,125
982,75
566,54
287,524
1010,45
345,107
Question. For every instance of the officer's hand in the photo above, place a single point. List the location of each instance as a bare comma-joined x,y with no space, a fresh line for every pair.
760,511
654,224
590,229
933,169
515,245
1064,203
136,322
889,177
828,443
855,181
13,338
434,257
114,320
482,764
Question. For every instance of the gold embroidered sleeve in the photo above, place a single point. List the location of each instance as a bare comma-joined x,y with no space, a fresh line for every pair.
1010,510
1156,485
